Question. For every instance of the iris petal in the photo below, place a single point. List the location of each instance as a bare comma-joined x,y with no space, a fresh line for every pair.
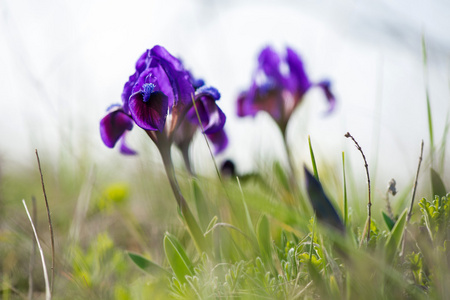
124,149
269,62
219,139
297,75
325,85
216,117
113,126
150,115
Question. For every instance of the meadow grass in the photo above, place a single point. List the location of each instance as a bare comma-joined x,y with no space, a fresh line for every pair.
126,239
114,232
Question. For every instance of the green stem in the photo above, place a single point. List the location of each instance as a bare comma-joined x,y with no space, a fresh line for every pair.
188,218
293,179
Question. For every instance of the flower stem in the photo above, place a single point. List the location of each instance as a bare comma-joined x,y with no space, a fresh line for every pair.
188,218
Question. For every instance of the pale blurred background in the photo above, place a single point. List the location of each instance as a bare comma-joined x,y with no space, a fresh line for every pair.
64,62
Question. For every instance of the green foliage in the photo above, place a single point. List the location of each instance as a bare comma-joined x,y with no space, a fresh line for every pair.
435,217
395,237
437,184
147,265
177,258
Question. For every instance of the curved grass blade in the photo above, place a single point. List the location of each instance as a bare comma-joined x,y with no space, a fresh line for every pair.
313,159
345,191
200,204
177,258
263,233
389,222
437,184
147,265
395,237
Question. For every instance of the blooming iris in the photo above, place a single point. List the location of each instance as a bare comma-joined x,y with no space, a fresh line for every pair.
278,86
157,98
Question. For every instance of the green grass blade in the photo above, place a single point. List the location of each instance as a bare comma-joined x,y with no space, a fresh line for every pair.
248,219
147,265
313,159
345,191
264,241
200,204
177,258
437,184
427,94
388,221
281,175
395,237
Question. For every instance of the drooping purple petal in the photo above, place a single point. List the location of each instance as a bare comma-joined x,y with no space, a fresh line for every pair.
325,85
113,126
211,116
241,108
149,115
208,91
219,139
202,113
124,149
216,117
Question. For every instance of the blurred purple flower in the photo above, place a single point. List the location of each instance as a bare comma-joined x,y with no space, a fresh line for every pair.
278,86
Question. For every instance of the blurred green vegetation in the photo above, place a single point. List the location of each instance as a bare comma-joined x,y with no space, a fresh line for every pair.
118,235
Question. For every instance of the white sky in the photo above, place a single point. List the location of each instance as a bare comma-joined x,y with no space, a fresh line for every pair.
64,62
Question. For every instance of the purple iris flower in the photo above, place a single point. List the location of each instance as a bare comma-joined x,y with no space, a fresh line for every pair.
211,117
278,86
158,97
159,84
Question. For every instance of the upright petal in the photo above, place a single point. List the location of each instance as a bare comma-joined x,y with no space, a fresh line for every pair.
298,77
269,62
179,78
113,126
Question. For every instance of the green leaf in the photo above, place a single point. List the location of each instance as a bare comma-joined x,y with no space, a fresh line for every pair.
248,219
147,265
313,159
263,232
345,191
437,184
200,204
177,258
395,237
281,176
389,222
201,243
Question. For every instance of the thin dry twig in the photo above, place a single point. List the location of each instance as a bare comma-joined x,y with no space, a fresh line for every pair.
369,203
48,295
49,220
408,217
415,184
